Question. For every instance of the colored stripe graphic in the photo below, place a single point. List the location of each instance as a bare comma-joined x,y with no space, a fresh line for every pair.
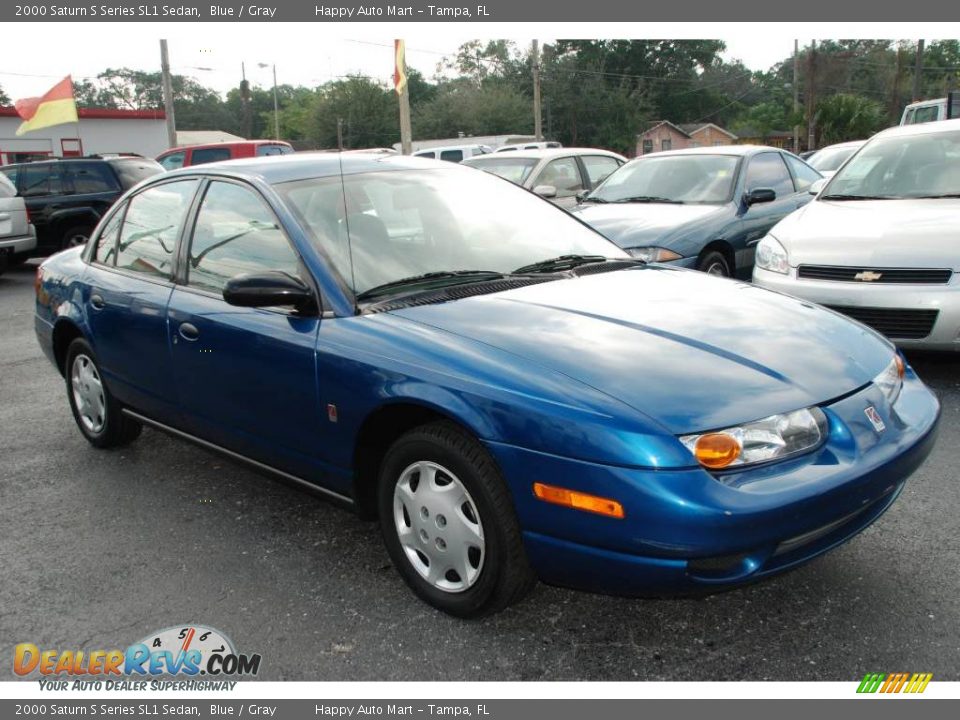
892,683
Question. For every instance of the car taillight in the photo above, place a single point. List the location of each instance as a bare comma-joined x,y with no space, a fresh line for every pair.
38,280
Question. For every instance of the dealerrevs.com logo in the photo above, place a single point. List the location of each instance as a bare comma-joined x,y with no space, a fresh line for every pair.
888,683
179,651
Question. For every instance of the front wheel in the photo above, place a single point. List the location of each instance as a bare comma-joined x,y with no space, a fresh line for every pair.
449,524
714,263
95,410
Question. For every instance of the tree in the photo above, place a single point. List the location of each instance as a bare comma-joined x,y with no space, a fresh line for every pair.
4,98
845,117
367,109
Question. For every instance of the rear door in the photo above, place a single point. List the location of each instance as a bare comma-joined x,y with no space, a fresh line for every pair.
13,212
245,377
41,185
129,281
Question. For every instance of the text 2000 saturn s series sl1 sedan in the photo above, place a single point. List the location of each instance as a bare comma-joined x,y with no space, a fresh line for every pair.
509,392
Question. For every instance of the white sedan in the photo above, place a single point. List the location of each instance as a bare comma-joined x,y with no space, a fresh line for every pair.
879,243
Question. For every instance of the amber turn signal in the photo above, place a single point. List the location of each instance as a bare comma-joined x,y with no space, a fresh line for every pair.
901,368
716,450
578,500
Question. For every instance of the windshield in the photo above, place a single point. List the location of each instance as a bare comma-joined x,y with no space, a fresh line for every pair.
901,166
672,178
381,227
829,159
514,169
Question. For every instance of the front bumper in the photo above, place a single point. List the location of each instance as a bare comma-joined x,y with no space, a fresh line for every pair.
943,299
686,531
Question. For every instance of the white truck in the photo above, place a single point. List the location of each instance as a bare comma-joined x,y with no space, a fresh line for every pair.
945,108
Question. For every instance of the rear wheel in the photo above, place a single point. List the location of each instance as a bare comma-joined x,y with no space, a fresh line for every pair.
96,412
75,236
449,523
714,263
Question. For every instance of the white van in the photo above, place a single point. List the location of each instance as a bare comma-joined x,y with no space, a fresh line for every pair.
945,108
453,153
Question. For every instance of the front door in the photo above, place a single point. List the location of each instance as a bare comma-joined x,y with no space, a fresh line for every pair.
245,377
765,170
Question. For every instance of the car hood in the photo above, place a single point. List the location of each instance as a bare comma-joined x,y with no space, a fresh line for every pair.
873,233
689,351
644,224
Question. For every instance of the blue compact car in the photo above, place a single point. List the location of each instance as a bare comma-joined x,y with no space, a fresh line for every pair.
701,208
513,396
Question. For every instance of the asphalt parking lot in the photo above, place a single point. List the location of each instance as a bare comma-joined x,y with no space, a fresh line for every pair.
100,548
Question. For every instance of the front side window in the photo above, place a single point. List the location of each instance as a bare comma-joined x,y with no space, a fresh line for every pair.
564,175
148,236
767,170
698,178
273,149
40,180
451,155
235,233
382,227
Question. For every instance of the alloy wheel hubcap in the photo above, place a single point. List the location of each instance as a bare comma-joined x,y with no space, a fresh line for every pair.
77,240
717,269
438,526
88,395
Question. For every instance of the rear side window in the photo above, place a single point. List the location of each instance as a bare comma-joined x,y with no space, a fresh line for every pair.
451,155
106,252
130,171
89,178
149,233
10,173
41,179
767,170
278,149
236,232
426,154
7,188
201,156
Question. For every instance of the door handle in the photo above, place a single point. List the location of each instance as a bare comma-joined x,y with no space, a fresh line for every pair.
189,331
97,302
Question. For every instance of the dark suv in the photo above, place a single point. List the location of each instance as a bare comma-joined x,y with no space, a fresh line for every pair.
66,198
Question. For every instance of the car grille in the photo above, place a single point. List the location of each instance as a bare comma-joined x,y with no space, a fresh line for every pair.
895,324
917,276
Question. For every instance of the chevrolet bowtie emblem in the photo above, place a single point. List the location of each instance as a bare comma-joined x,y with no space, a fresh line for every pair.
868,276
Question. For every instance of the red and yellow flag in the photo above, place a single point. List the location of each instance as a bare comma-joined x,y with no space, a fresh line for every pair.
399,66
56,107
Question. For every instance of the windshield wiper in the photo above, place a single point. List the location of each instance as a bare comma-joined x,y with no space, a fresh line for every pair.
591,198
647,199
563,262
841,196
457,276
934,197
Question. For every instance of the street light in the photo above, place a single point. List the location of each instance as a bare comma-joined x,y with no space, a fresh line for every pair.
276,110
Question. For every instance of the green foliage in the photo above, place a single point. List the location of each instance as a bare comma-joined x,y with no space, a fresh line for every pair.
4,98
845,117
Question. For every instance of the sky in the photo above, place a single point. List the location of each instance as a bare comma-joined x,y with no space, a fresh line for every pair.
216,59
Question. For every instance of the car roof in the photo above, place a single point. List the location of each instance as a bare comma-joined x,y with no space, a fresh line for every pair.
929,128
542,153
276,169
234,143
737,150
849,143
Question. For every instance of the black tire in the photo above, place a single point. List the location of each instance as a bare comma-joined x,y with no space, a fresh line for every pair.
714,263
75,236
505,575
111,428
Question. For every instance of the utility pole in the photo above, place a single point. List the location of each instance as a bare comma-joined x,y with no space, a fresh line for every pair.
168,95
340,133
812,97
245,102
895,97
918,72
796,95
537,116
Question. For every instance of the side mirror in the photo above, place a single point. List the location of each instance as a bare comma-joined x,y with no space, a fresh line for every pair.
268,289
759,195
546,191
582,195
817,186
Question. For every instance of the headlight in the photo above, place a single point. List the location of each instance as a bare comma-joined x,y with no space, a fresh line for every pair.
771,256
653,254
890,381
772,438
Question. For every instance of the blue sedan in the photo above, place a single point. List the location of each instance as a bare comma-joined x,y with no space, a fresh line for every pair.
513,396
701,208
